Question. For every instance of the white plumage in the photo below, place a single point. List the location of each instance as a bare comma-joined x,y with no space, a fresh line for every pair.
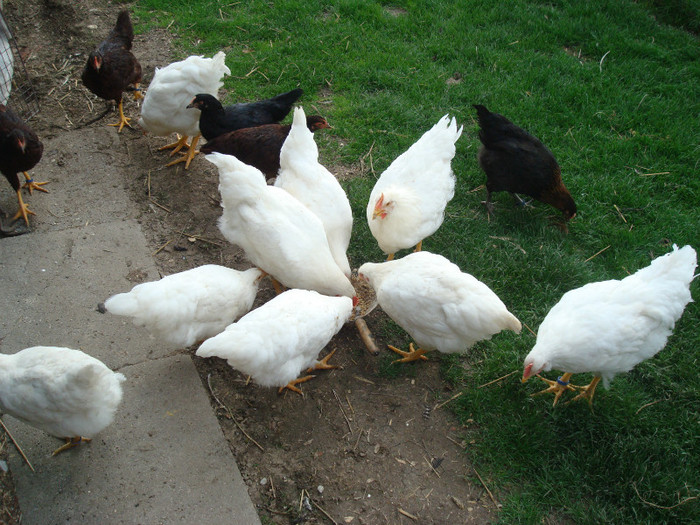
278,233
164,109
407,203
315,187
61,391
437,304
278,340
609,327
189,306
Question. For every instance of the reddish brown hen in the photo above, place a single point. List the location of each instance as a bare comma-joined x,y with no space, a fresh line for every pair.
518,162
259,146
112,68
20,150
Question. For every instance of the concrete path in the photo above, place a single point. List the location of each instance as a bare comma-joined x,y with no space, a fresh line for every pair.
164,459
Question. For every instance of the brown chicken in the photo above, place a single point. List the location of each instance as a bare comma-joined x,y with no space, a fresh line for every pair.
259,146
112,68
20,151
517,162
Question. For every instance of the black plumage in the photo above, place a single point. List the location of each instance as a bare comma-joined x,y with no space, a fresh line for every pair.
20,151
517,162
216,120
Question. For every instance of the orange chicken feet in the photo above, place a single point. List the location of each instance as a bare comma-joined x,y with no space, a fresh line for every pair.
187,157
557,387
411,355
31,185
70,443
292,385
588,391
123,121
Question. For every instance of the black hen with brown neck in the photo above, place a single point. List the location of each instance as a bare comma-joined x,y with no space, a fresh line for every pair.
20,151
216,119
517,162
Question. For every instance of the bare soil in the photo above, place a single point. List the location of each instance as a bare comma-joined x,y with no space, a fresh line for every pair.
358,447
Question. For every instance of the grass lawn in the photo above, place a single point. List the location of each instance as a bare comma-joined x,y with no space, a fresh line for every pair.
613,89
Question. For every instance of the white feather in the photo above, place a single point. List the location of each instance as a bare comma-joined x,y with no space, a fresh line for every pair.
61,391
278,340
316,188
189,306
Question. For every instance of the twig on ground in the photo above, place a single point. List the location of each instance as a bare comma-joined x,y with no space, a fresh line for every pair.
497,380
648,405
19,449
150,199
324,512
161,248
343,411
487,489
407,514
597,253
682,502
530,330
620,213
440,405
230,414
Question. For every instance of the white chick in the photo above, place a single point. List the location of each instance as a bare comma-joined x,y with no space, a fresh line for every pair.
439,306
278,234
611,326
284,336
61,391
189,306
164,110
408,201
315,187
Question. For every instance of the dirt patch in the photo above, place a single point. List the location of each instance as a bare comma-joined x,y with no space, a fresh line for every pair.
359,446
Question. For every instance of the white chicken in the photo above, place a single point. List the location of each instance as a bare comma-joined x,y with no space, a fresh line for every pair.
284,336
189,306
279,234
61,391
440,307
164,110
609,327
315,187
408,201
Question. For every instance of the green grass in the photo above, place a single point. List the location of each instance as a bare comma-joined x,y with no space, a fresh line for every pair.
613,88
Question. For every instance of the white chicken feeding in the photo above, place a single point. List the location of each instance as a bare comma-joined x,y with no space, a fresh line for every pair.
611,326
279,234
190,306
278,340
302,175
439,306
164,110
64,392
408,201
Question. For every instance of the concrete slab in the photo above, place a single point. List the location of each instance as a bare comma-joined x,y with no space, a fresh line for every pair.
159,462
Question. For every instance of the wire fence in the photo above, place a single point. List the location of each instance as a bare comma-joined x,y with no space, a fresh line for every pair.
16,90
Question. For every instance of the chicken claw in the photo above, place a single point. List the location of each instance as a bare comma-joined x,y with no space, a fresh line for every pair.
31,185
70,443
411,355
587,392
187,157
557,387
292,385
23,210
323,363
123,120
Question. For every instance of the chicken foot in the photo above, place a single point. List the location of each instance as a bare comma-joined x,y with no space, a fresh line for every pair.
191,152
175,146
23,210
123,120
557,387
323,364
588,391
411,355
31,185
292,385
70,443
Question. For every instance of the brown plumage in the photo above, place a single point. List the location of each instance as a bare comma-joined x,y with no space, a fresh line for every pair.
518,162
112,68
20,151
259,146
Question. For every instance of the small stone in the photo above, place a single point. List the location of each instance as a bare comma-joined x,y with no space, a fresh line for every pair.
263,481
320,489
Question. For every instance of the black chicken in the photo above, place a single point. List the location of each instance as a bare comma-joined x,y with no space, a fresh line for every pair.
20,150
216,120
518,162
112,68
259,146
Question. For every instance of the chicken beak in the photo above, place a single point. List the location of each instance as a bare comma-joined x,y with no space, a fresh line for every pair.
191,104
527,373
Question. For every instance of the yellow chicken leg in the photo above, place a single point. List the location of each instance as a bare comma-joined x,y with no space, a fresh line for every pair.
588,391
557,387
191,152
31,185
411,355
390,257
292,385
23,210
123,121
323,363
419,246
70,443
137,92
176,146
